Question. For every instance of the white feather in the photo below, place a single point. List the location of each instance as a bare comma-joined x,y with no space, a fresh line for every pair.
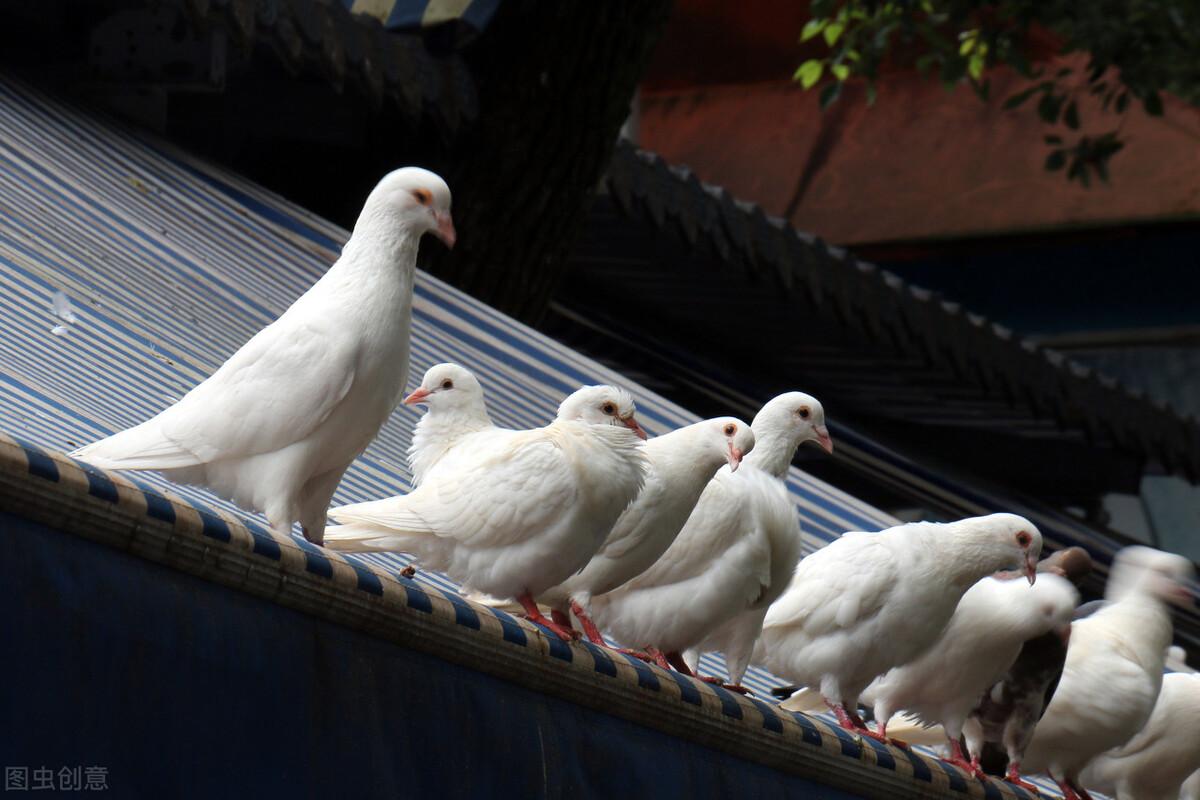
869,602
732,558
514,514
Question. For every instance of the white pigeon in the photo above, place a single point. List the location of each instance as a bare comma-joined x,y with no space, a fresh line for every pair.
983,639
1114,667
869,602
1154,764
274,428
522,512
456,412
734,554
682,463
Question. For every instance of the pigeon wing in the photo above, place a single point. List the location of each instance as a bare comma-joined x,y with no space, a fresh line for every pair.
509,495
274,391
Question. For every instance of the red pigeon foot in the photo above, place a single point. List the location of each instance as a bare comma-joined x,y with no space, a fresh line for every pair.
851,721
959,759
1013,776
1073,791
534,614
638,654
589,628
658,658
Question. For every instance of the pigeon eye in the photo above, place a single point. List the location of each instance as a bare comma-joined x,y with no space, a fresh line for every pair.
609,408
1024,539
730,429
804,412
447,384
422,196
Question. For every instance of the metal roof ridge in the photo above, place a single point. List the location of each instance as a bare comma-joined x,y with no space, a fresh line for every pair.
1178,450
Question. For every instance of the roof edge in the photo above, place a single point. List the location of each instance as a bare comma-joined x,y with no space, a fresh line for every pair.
884,306
51,489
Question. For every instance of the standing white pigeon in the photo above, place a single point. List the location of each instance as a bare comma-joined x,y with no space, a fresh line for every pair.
869,602
520,513
274,428
983,639
682,463
736,637
734,554
1114,667
456,411
1154,764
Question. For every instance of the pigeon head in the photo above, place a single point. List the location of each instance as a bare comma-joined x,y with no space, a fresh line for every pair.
1001,542
413,198
1072,563
447,386
601,405
794,418
1054,600
1149,572
730,437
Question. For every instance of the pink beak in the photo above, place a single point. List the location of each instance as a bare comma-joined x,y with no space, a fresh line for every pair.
445,228
824,439
1031,568
632,424
735,457
418,396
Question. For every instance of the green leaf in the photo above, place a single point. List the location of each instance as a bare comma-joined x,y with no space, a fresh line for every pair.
812,28
829,94
840,71
968,43
1153,104
975,66
1071,116
1056,160
809,73
832,31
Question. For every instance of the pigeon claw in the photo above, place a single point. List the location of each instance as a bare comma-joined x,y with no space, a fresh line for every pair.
534,615
733,687
589,628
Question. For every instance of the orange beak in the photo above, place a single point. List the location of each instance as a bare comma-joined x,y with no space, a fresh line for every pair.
632,424
418,396
445,228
